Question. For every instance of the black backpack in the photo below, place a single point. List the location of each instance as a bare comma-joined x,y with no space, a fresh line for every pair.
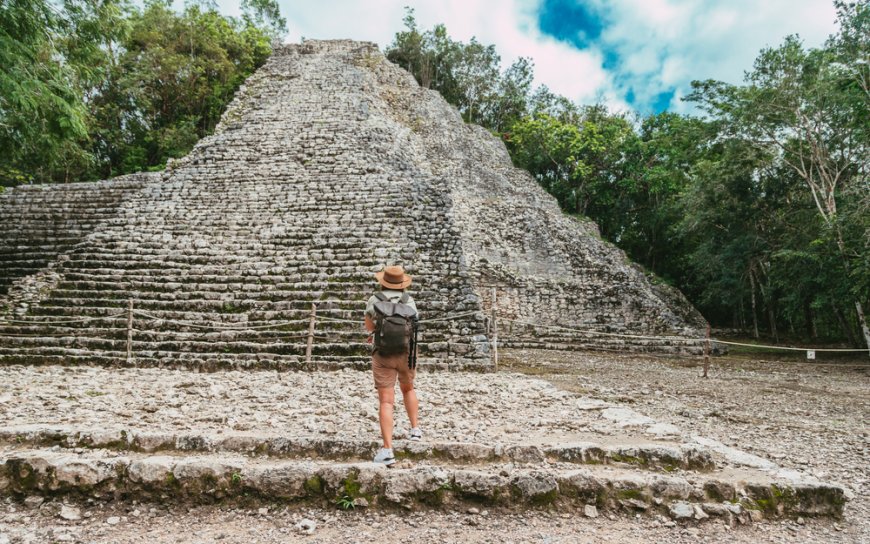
395,327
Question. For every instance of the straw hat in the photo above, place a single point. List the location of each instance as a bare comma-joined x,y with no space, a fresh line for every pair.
393,277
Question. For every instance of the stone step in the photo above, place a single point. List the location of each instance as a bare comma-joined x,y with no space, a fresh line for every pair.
326,292
218,362
180,348
49,219
102,474
265,307
108,276
663,457
26,255
276,311
182,264
14,272
149,280
193,266
568,338
150,285
292,346
357,253
223,303
213,303
358,293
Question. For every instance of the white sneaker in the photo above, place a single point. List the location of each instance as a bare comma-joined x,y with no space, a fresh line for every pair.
416,434
385,457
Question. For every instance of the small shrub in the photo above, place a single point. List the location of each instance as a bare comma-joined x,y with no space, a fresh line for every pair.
345,502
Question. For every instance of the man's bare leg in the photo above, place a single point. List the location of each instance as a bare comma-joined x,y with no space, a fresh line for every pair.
411,405
386,398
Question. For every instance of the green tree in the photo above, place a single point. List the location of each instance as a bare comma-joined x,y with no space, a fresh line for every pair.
50,55
812,115
510,101
171,83
466,74
265,15
579,163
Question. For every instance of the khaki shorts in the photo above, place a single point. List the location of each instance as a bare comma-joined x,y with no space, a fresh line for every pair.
386,368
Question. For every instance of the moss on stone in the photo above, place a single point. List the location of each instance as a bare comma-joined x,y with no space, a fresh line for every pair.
630,494
627,459
314,486
171,480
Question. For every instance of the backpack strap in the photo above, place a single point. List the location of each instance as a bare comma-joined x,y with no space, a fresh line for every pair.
381,296
405,297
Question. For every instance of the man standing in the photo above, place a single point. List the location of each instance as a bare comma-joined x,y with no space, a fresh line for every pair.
387,367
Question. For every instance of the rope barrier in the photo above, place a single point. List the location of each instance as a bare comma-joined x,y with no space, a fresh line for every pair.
433,320
339,320
450,317
215,326
789,348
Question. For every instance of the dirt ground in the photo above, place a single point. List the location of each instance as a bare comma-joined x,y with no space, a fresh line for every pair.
813,418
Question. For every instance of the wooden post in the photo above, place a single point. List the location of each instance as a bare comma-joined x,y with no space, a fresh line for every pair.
310,334
707,352
130,331
494,331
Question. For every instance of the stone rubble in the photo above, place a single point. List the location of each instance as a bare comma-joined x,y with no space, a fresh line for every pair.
306,526
70,513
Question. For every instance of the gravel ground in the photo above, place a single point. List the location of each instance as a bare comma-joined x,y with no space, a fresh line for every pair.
454,407
805,417
137,524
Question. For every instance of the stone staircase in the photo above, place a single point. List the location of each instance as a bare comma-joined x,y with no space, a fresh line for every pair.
43,222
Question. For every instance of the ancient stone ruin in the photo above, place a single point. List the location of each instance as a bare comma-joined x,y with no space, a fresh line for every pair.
330,162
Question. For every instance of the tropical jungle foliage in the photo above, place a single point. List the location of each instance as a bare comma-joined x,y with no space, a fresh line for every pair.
759,211
96,88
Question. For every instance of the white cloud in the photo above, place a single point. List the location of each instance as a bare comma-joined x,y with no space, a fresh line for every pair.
509,24
662,44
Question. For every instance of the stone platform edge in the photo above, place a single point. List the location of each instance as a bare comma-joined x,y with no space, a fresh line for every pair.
209,479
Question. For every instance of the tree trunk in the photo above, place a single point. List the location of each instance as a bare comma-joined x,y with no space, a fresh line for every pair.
844,324
771,315
863,322
754,315
808,320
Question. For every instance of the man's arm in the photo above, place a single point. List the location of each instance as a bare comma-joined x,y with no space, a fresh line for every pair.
370,325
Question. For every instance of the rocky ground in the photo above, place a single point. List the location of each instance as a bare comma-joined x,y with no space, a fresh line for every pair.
808,417
457,407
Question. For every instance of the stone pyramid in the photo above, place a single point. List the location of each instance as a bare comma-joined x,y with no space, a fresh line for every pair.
329,162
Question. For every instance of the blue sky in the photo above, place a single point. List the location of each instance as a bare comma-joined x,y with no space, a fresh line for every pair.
639,54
